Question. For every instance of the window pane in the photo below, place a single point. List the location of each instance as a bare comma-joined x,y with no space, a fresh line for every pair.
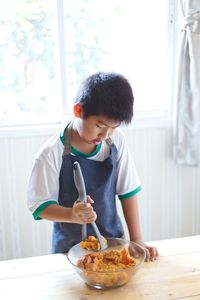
28,86
126,36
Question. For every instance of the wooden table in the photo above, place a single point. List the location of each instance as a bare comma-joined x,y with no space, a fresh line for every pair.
175,275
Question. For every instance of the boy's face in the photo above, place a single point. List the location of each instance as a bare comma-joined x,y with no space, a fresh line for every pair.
94,129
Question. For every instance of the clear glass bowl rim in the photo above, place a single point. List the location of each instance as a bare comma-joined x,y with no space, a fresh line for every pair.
115,271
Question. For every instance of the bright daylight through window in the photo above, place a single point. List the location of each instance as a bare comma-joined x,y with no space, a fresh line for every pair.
28,80
126,36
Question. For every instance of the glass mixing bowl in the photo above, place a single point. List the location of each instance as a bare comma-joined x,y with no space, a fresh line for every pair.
101,279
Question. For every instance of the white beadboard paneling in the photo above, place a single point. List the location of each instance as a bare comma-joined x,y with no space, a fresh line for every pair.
169,201
2,230
196,204
19,232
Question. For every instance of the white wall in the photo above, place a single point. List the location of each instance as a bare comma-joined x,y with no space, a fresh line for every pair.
169,202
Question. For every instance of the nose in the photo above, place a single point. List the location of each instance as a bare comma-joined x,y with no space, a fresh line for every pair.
105,133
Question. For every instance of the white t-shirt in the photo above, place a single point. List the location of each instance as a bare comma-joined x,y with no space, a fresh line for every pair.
43,185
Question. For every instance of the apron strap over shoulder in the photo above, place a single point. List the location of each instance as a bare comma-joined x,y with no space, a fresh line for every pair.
109,141
67,144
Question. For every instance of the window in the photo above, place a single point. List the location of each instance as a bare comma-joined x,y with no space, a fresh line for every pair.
49,47
29,90
130,37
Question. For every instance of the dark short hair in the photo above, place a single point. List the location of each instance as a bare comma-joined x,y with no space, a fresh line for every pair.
107,94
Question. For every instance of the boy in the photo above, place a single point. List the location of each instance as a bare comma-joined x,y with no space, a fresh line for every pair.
94,139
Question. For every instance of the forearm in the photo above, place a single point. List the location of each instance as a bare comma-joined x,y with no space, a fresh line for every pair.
57,213
80,213
131,214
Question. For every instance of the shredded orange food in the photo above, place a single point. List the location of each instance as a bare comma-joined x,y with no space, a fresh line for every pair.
107,261
108,268
92,243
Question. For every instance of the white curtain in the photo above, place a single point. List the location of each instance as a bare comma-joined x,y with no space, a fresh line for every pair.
187,135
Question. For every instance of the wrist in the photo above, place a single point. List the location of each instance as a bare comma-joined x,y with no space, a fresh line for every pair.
69,215
136,239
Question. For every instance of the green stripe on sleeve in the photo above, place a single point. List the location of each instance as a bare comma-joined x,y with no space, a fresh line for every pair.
130,194
41,208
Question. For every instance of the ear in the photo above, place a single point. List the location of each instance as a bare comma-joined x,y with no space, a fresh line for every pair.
78,110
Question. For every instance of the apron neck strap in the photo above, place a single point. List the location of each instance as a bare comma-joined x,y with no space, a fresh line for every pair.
68,137
109,141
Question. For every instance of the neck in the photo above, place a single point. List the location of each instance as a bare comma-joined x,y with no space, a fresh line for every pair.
79,143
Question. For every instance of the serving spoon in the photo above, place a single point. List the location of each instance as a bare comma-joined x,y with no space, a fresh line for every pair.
80,185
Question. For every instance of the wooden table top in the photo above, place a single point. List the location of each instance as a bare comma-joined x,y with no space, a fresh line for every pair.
174,275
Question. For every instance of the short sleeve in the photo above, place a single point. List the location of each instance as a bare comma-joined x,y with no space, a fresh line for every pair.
43,186
128,182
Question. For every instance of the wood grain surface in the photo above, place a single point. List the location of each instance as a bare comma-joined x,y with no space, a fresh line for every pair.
174,275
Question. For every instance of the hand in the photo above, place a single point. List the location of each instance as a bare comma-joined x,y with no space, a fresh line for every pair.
151,252
83,213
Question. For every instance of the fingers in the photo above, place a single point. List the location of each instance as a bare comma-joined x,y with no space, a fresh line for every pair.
148,256
151,253
90,218
84,212
89,199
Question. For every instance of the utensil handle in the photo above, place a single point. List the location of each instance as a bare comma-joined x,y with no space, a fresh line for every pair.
84,232
99,236
79,181
80,185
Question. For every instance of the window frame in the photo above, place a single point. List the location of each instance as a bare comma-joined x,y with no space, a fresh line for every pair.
141,119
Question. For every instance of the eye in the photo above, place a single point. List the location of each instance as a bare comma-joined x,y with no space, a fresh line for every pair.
99,126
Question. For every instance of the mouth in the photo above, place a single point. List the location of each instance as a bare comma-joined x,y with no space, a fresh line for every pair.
96,142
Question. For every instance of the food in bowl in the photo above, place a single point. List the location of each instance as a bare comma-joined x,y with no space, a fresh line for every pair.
109,268
92,243
112,260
